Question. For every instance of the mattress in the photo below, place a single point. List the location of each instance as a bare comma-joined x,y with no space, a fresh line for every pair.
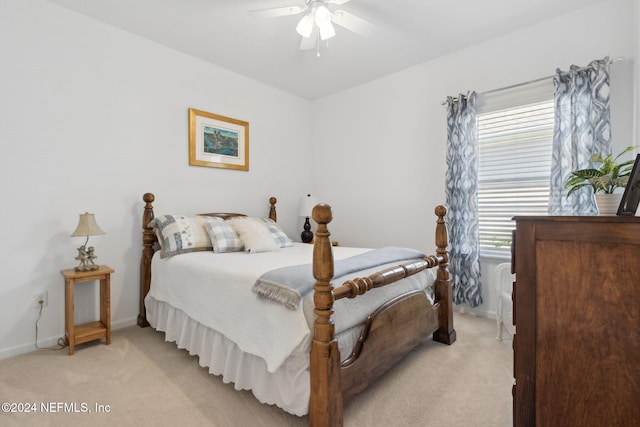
203,302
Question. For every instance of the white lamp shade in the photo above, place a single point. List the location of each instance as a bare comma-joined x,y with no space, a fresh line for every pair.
323,21
306,205
322,15
327,31
305,26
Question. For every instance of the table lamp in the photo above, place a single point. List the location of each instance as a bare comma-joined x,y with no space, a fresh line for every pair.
87,226
305,206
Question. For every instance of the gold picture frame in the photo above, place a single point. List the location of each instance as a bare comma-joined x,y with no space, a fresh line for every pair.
218,142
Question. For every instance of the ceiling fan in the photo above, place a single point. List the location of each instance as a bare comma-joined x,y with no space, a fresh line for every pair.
317,22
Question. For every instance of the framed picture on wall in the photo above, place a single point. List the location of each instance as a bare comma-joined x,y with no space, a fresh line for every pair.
217,141
631,196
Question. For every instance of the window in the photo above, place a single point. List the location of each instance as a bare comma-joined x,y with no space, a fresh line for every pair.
515,134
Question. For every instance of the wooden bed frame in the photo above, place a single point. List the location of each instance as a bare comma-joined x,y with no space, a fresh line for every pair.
389,333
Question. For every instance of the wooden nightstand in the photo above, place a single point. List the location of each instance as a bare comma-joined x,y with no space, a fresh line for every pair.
78,334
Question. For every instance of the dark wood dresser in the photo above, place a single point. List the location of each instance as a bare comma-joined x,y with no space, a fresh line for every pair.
577,316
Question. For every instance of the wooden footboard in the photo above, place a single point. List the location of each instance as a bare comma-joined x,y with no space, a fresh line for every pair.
390,332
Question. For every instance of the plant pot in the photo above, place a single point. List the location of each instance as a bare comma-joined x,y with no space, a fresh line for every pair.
608,203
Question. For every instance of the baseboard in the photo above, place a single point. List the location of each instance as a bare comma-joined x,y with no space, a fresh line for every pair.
476,311
53,341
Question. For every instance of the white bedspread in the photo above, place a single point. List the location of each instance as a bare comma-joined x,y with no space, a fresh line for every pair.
214,289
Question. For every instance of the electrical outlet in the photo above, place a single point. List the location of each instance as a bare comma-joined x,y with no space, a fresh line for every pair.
42,296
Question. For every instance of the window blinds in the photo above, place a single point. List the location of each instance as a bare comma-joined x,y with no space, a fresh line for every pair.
513,170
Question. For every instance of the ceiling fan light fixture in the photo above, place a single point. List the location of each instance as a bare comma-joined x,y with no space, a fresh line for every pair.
305,26
317,20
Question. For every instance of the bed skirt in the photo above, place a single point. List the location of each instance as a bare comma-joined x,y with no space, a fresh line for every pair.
287,387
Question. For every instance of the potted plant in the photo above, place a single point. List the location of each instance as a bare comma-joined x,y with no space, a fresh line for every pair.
604,180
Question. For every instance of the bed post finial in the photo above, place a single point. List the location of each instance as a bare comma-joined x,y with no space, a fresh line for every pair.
445,333
148,239
272,209
325,405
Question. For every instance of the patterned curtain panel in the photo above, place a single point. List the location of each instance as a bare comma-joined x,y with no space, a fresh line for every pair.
462,199
582,128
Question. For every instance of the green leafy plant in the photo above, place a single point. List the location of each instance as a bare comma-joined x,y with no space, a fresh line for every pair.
609,175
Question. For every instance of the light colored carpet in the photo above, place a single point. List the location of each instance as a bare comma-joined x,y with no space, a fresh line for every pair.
147,381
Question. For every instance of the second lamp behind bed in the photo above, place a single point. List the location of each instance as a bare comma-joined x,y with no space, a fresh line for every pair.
305,206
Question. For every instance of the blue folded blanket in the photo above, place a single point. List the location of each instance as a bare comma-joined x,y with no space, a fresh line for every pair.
287,285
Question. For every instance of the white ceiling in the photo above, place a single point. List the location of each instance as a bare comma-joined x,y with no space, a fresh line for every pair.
407,33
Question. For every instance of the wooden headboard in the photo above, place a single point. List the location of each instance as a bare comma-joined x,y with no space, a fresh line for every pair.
150,240
226,215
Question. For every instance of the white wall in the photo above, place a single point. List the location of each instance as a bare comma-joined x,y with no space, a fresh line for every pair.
381,161
92,117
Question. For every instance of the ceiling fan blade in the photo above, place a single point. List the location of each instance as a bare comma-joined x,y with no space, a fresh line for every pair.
277,12
308,43
352,23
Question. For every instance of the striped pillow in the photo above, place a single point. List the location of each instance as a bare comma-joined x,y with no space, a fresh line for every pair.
223,237
279,235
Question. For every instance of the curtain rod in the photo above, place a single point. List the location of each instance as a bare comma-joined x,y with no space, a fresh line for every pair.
611,61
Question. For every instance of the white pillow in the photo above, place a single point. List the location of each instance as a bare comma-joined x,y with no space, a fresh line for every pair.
254,234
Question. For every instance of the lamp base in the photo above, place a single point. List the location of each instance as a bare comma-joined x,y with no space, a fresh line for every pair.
307,235
86,257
